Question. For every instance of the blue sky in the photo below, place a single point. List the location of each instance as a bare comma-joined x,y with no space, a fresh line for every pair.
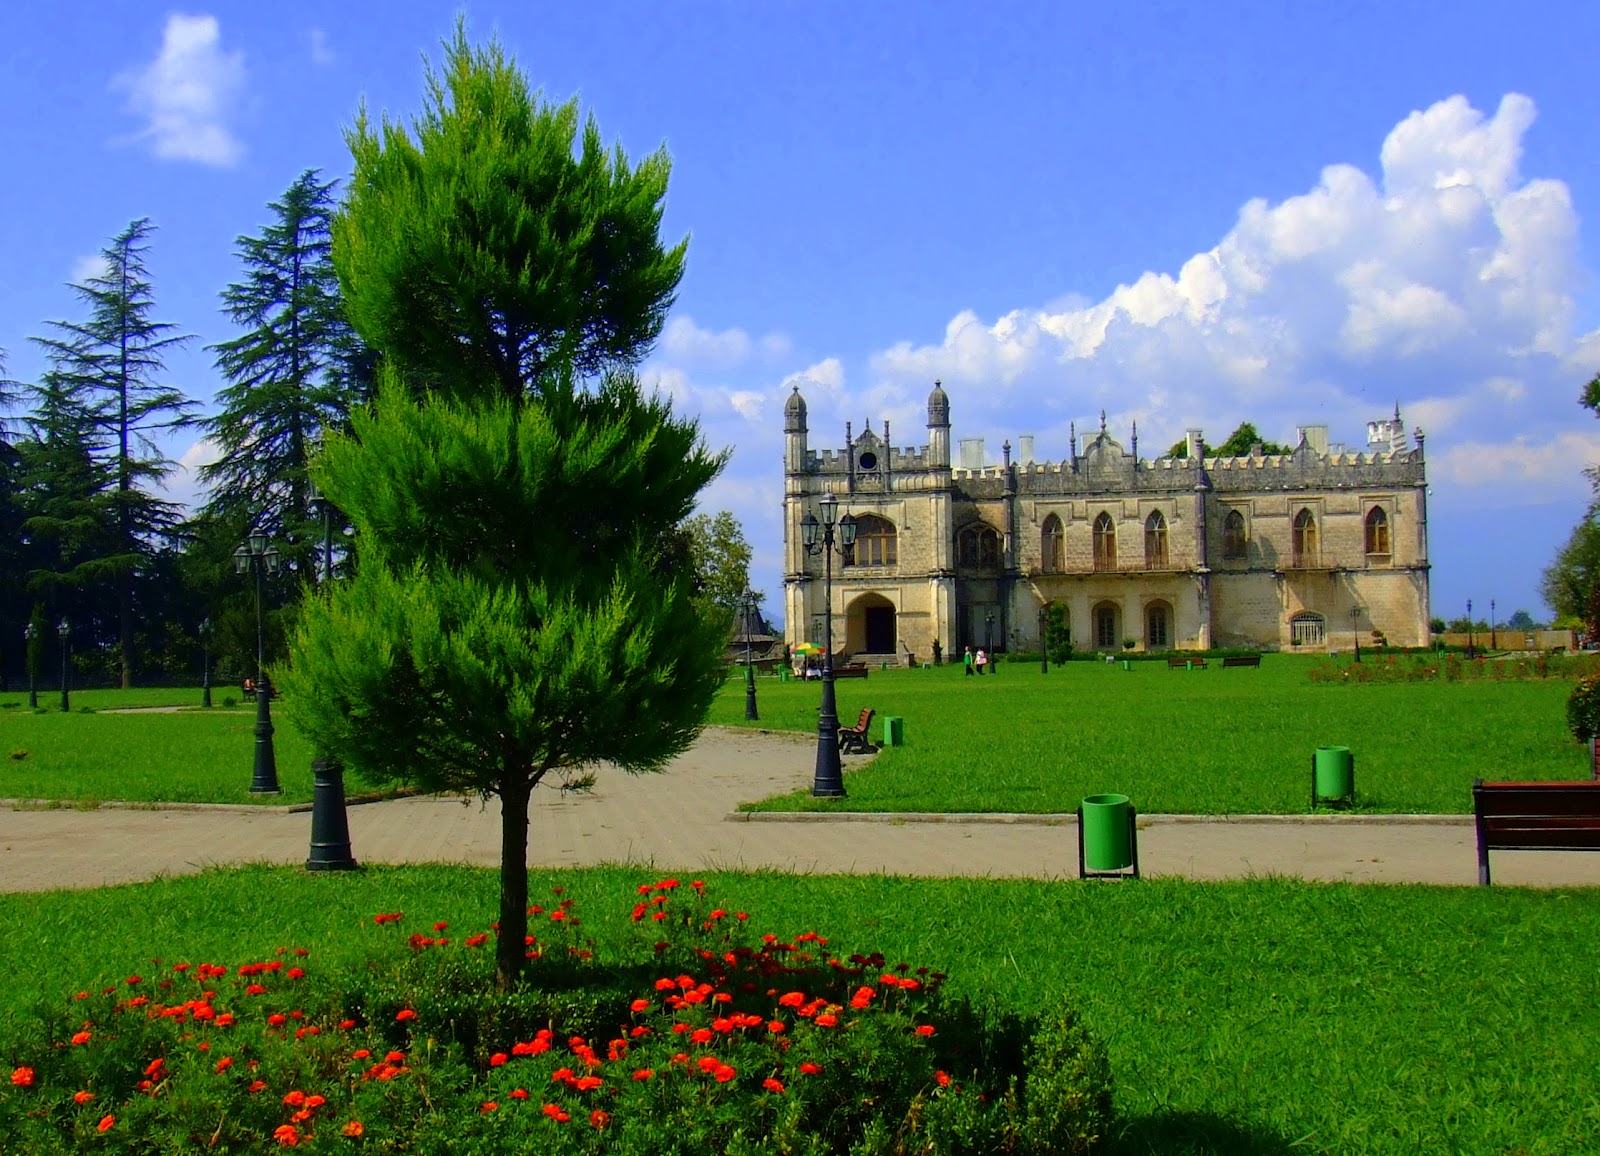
1182,214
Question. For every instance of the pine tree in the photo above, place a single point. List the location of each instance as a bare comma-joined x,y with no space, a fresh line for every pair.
521,603
112,364
297,370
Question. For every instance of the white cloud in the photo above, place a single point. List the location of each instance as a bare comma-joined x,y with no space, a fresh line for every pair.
182,485
321,53
685,343
1527,469
186,93
88,268
1446,281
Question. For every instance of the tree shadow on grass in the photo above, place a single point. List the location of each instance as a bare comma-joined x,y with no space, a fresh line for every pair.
1181,1133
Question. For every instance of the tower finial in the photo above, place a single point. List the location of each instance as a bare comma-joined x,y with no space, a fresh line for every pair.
1102,421
1073,441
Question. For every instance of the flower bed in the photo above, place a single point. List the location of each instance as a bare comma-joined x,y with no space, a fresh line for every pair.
1376,666
706,1037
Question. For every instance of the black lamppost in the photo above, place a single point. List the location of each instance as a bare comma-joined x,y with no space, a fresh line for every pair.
828,782
1470,639
1044,639
206,630
330,822
256,554
1494,641
31,633
748,605
988,634
64,632
1355,632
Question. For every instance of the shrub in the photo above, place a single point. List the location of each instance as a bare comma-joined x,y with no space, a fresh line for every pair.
702,1038
1583,708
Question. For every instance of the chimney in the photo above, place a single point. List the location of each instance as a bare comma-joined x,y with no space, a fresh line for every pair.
972,453
1315,437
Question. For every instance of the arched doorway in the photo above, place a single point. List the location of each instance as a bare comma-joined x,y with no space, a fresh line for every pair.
1106,618
1158,626
870,626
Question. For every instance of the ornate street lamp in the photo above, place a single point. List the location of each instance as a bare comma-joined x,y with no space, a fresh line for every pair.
31,633
1044,639
1355,632
330,822
1494,641
748,605
206,631
258,555
64,632
988,638
828,782
1470,639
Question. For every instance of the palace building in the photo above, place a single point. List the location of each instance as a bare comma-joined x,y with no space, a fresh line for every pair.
1311,550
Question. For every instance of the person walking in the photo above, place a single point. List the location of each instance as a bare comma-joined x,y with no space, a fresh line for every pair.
982,661
966,660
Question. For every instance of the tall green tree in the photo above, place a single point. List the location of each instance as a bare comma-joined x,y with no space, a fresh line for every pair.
1570,585
515,257
296,370
721,558
113,363
520,604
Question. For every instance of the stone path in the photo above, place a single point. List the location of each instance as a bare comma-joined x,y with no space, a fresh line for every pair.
680,821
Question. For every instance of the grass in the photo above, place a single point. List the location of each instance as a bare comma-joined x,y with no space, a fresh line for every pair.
1254,1017
1190,742
107,699
188,757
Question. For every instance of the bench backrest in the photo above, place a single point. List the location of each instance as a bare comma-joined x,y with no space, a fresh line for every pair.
1525,816
864,721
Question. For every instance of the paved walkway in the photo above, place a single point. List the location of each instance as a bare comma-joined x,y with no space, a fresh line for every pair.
681,821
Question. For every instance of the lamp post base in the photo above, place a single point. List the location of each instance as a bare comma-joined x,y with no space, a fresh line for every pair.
265,779
750,712
330,824
828,781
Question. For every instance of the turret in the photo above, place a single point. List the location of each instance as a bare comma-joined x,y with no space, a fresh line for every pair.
938,428
794,433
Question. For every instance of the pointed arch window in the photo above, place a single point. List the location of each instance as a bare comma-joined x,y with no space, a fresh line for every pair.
1158,626
1305,538
1377,531
1235,546
1052,546
978,548
1105,543
875,542
1155,541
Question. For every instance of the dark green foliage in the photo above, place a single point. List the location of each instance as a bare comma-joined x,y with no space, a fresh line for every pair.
721,558
1239,444
480,253
1571,584
296,370
1057,634
108,369
1583,708
1067,1092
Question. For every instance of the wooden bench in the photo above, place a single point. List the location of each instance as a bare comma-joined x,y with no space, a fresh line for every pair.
851,670
1535,817
853,740
248,689
1241,660
1179,662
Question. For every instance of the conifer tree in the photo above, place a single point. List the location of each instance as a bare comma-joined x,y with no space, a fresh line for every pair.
112,365
521,604
295,371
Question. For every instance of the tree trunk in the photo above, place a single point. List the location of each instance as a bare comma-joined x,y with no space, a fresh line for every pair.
511,952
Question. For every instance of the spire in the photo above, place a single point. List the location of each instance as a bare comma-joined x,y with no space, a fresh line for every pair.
794,413
938,407
1073,442
1102,421
1134,446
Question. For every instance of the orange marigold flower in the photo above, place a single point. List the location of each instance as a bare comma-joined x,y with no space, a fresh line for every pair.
777,1027
257,1086
80,1038
639,1005
700,1036
943,1078
286,1135
440,926
792,998
107,1122
301,1116
599,1119
153,1068
924,1029
405,1014
519,1093
353,1129
295,1098
489,1106
255,989
723,1073
810,1069
297,973
554,1112
587,1083
827,1021
709,1063
276,1020
82,1097
315,1101
497,1059
477,940
224,1064
395,1058
644,1073
772,1085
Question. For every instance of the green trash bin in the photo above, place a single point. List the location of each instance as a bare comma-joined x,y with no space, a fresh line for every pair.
1106,838
783,674
894,731
1127,664
1333,775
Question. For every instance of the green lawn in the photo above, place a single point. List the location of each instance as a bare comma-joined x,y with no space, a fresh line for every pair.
187,757
1253,1017
1198,742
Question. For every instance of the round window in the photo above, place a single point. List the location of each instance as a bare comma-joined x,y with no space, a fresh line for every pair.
869,460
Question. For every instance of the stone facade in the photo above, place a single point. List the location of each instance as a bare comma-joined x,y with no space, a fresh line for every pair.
1305,550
